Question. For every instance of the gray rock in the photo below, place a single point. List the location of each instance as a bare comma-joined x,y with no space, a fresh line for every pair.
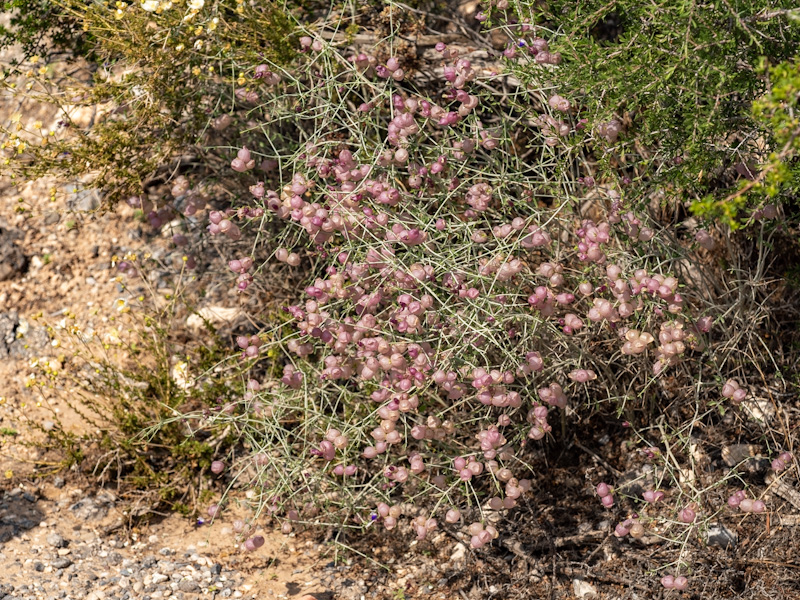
19,340
8,328
719,535
83,199
59,482
90,508
56,541
187,585
13,261
61,563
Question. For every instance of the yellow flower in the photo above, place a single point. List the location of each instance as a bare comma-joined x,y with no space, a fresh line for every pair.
9,474
213,25
122,305
179,48
35,59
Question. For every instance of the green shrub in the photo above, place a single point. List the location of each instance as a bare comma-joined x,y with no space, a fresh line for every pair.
487,275
40,28
681,76
161,78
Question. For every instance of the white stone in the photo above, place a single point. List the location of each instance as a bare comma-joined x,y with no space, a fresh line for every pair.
216,315
760,411
459,552
583,589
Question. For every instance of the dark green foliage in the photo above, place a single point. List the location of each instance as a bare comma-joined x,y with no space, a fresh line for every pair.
41,28
682,76
166,78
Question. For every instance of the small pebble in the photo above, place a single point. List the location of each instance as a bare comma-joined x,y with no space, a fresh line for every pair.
56,540
61,563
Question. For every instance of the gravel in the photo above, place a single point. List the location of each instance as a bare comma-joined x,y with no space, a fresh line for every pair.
65,555
56,541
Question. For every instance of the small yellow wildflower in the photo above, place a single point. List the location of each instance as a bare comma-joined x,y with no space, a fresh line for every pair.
122,305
